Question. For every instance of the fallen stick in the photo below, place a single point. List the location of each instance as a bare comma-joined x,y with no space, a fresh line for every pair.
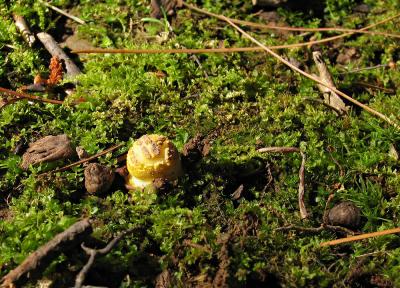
330,96
360,237
285,150
51,45
300,29
290,65
115,147
27,96
36,262
76,19
23,28
93,253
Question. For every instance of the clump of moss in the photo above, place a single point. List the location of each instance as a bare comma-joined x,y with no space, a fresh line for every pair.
197,231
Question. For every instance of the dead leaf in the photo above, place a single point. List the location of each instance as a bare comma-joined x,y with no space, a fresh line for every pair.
169,7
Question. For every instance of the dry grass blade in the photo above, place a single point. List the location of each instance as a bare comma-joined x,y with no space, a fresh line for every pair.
115,147
227,50
302,206
360,237
285,28
315,79
76,19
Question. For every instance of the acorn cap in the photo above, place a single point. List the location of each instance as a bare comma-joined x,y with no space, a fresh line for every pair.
150,157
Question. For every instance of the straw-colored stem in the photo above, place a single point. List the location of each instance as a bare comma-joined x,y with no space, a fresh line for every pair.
286,28
360,237
281,59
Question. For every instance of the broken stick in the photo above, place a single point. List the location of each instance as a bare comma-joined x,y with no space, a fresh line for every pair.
51,45
23,28
36,262
80,278
330,96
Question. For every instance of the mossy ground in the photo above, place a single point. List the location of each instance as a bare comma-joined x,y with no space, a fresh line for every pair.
196,230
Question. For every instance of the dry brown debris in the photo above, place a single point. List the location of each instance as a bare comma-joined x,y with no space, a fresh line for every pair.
47,149
98,178
168,5
345,214
56,71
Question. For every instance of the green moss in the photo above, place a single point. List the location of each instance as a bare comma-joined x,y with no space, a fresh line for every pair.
248,101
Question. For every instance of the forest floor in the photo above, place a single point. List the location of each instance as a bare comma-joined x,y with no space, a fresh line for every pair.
233,219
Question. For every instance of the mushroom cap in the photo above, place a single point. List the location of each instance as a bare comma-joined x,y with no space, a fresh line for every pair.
150,157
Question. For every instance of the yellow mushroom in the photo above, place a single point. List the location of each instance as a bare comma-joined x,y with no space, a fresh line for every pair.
151,157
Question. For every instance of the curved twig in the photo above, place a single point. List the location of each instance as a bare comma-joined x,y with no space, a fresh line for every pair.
93,253
286,28
227,50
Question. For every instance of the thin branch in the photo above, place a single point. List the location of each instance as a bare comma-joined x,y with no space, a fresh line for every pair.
285,28
365,69
28,96
23,28
80,21
372,86
317,229
51,45
360,237
93,253
281,59
37,261
115,147
285,150
227,50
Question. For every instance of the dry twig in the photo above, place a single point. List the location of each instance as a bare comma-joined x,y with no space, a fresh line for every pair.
300,29
285,150
360,237
23,28
233,49
76,19
80,278
317,229
51,45
115,147
37,261
21,95
330,97
333,89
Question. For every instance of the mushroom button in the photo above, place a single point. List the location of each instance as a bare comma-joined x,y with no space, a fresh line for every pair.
151,157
